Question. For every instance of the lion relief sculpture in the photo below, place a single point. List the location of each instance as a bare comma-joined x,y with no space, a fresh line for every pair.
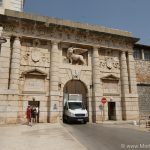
73,57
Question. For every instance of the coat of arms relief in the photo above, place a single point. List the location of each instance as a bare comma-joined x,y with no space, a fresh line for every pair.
34,54
109,61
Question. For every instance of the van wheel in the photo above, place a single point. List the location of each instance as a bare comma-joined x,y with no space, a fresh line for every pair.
64,120
84,122
68,120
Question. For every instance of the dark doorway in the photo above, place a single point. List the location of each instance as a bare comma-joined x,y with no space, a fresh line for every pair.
37,105
111,111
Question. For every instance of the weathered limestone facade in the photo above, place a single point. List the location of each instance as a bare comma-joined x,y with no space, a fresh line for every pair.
44,58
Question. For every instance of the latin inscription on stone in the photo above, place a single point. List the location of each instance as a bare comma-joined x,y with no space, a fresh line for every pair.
110,87
34,84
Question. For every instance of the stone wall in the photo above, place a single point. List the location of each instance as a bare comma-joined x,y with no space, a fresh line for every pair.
143,79
142,71
144,99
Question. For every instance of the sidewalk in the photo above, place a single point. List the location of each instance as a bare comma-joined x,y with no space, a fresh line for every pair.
38,137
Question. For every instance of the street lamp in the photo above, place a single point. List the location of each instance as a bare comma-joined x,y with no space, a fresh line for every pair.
2,40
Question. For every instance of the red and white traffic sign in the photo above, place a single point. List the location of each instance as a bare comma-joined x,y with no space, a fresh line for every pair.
103,100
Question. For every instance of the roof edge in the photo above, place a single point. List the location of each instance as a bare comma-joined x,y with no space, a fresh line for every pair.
68,23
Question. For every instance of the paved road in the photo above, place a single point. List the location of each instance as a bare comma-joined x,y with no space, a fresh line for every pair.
109,137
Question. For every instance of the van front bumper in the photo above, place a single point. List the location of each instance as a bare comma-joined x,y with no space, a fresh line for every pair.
72,119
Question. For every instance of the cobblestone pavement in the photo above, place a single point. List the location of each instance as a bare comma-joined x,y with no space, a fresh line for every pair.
37,137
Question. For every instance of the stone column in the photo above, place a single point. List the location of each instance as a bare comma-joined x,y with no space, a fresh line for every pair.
5,63
96,92
124,75
15,65
124,84
54,81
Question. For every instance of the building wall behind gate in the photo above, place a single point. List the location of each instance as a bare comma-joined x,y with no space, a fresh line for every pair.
143,80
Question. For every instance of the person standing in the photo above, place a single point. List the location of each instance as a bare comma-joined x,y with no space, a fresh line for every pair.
28,114
33,115
37,114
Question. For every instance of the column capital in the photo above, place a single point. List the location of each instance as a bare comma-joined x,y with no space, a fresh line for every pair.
17,38
96,47
17,42
123,52
130,53
55,42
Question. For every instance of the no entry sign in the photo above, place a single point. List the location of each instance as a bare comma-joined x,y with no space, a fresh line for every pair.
103,100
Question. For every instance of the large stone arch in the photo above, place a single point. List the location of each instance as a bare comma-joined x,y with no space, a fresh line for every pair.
76,87
85,79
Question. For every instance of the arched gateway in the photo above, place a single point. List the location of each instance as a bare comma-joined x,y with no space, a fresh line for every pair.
76,87
67,57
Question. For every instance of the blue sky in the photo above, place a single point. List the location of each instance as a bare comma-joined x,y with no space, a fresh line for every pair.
129,15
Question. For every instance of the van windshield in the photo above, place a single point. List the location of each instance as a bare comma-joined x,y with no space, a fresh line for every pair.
76,105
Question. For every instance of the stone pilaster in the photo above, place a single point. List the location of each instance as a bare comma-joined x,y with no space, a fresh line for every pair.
129,96
54,81
132,75
5,63
15,65
133,96
96,92
124,84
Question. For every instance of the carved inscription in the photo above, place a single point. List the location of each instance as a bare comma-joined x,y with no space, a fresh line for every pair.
110,86
34,84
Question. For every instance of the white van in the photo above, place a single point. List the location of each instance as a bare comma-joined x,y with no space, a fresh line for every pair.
74,109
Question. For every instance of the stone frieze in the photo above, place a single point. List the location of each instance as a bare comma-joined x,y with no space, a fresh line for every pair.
69,35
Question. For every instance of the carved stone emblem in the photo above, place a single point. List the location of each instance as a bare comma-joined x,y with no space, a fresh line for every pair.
35,55
35,51
109,62
76,74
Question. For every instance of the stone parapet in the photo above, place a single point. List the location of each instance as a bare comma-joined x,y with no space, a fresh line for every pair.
66,23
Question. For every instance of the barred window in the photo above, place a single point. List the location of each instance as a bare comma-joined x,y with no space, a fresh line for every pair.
147,54
137,54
